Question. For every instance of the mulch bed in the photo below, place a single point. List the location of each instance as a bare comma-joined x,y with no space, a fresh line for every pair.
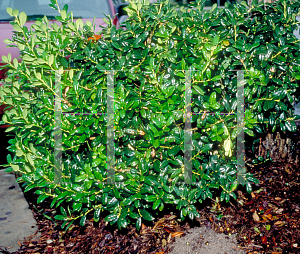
265,221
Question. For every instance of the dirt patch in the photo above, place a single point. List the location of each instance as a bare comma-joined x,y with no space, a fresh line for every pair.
205,240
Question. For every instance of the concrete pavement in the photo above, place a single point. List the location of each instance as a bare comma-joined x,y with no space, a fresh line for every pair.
16,219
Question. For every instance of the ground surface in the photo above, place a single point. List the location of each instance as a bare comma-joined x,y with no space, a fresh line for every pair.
267,221
16,219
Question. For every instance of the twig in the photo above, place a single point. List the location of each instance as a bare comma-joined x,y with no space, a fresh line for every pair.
4,251
252,245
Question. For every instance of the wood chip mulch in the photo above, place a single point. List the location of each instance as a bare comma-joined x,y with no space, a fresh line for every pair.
265,221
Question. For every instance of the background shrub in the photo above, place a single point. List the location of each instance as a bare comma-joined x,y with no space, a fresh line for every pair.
152,58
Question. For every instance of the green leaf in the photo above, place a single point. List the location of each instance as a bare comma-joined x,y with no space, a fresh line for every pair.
61,195
248,187
222,197
233,186
150,198
156,204
257,230
198,90
119,178
63,211
30,159
63,14
49,218
77,206
19,153
212,98
65,7
97,214
215,105
30,187
18,29
133,215
116,193
216,78
143,113
291,126
191,214
258,129
111,217
253,179
15,12
156,143
59,217
282,126
28,58
8,158
82,220
51,60
157,122
15,167
42,198
206,148
7,41
138,223
23,18
9,10
249,132
70,223
146,215
232,194
227,197
213,8
79,24
161,206
288,125
174,150
122,92
106,21
78,130
294,126
63,225
260,158
122,223
15,62
122,113
4,59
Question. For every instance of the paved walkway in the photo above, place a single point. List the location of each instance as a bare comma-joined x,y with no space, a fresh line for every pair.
16,219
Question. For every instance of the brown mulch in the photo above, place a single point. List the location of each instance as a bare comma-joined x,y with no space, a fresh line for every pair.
265,221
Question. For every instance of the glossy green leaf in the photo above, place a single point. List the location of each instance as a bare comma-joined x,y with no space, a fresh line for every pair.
59,217
198,90
138,223
82,220
41,198
97,214
23,18
111,217
77,206
146,215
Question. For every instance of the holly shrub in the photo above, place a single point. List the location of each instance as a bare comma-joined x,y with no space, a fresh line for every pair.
153,58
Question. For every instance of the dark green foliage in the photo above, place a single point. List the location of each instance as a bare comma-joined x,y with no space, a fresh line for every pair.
150,59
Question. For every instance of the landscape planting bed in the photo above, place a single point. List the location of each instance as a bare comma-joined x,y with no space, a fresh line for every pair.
275,203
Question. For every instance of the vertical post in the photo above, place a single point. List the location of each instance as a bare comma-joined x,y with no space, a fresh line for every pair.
240,147
110,129
188,130
57,129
